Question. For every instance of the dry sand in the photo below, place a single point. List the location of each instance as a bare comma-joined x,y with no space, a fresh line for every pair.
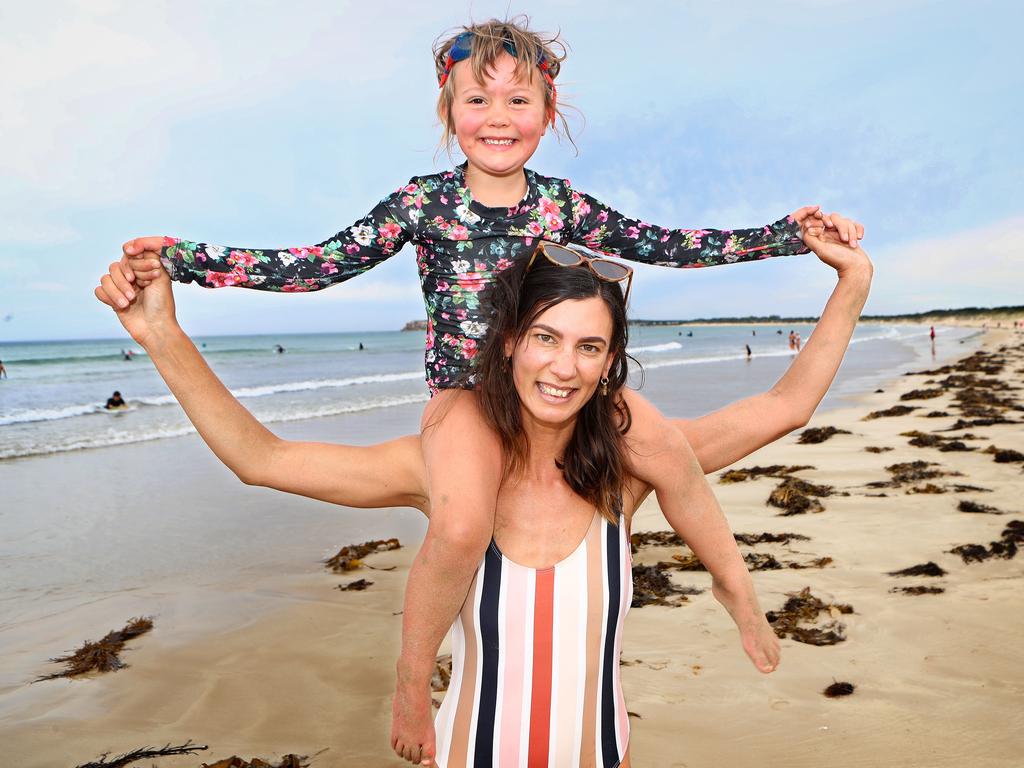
938,677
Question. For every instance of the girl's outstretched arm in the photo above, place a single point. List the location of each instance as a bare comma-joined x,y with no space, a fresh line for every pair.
353,250
605,230
388,474
727,435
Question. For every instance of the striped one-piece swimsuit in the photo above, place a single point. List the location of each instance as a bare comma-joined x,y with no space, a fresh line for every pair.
535,661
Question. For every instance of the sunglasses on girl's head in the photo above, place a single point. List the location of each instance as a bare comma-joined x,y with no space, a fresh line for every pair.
605,269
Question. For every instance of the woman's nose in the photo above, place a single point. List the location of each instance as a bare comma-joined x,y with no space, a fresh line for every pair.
564,364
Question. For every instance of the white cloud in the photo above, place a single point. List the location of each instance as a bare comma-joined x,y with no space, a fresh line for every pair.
980,266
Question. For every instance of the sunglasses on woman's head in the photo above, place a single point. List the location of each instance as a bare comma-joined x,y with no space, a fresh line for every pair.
605,269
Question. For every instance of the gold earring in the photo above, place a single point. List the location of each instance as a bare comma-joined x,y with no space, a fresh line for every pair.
604,385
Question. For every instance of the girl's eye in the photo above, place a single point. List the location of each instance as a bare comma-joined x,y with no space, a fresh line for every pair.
476,100
519,100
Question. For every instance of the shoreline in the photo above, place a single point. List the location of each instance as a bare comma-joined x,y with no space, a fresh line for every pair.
261,679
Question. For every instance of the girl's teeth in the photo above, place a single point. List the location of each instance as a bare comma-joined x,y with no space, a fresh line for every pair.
502,142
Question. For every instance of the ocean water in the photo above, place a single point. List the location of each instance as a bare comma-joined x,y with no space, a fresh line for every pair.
53,400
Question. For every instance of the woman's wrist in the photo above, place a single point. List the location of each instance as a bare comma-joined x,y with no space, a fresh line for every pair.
160,338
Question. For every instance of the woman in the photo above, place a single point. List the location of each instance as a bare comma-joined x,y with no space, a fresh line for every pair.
536,645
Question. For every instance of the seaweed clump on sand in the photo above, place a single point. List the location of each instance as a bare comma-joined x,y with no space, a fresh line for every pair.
651,586
919,590
355,586
944,444
922,394
935,414
351,557
796,497
750,473
288,761
907,472
836,690
654,539
820,434
1005,548
1004,455
877,448
803,608
756,561
768,538
896,410
102,655
976,508
924,569
145,753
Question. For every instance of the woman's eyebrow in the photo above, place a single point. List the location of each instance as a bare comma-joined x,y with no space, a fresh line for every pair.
553,332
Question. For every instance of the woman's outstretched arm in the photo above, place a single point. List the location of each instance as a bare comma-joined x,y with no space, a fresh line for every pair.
727,435
388,474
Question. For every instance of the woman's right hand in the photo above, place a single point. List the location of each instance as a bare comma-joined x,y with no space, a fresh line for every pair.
146,313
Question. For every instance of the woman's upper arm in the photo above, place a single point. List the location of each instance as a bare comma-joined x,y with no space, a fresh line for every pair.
389,474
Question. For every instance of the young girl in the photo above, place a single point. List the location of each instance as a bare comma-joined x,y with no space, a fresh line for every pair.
497,99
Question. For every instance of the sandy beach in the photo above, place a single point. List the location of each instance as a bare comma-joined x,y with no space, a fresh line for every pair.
937,676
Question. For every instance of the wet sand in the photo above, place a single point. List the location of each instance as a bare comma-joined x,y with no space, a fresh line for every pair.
299,666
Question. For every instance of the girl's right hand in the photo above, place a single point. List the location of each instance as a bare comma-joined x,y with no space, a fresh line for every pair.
147,313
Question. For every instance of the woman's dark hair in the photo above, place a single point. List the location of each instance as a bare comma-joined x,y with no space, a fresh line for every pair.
594,460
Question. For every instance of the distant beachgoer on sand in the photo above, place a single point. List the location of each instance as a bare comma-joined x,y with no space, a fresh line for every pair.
748,350
115,401
931,333
3,371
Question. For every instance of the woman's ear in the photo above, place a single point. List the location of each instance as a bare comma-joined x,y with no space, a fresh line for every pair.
509,346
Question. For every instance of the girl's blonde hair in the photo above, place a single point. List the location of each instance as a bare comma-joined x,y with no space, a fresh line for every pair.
489,43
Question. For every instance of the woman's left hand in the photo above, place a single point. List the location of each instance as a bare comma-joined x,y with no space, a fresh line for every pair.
762,646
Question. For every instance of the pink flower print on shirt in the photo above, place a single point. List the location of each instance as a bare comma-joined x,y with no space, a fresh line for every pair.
241,259
535,228
459,232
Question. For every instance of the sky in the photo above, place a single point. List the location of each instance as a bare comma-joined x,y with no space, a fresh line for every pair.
272,124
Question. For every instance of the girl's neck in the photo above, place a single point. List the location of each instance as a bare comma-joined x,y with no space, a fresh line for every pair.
504,191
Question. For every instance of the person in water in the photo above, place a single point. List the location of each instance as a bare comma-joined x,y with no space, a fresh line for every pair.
3,371
526,688
497,98
115,401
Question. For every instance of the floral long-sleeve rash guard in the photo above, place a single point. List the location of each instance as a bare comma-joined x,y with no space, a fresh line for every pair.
462,245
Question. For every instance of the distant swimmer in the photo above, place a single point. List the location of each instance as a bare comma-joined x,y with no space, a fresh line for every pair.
792,340
279,349
127,354
753,333
748,351
690,333
797,341
361,347
115,401
779,332
3,371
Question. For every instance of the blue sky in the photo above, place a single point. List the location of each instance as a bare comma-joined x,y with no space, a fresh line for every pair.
268,124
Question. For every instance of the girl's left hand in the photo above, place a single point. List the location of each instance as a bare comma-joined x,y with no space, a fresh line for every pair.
762,646
829,225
